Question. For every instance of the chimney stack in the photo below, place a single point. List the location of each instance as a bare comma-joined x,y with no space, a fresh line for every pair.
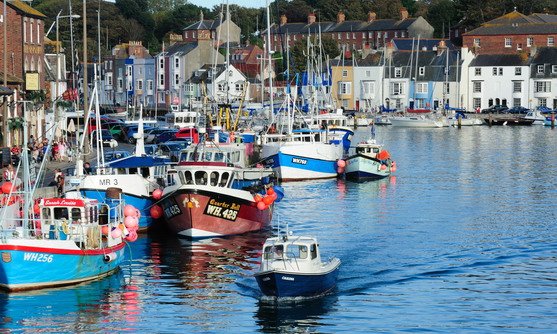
371,16
403,13
441,47
340,17
311,18
283,20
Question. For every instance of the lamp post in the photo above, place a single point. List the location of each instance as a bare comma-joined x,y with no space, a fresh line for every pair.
58,71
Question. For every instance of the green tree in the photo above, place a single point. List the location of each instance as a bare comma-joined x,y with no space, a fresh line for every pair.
299,52
441,14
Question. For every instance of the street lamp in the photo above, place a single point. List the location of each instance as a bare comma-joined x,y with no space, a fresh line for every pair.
58,72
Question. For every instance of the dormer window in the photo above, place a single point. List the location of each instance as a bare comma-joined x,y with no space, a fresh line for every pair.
540,69
422,71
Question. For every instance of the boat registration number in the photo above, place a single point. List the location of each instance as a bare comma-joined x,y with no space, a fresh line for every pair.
37,257
170,208
228,211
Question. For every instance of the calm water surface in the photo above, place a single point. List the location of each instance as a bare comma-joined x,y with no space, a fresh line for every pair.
462,239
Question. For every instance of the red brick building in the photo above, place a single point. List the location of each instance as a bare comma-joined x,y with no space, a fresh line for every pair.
513,33
24,56
373,33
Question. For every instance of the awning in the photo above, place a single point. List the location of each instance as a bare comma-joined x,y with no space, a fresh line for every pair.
5,91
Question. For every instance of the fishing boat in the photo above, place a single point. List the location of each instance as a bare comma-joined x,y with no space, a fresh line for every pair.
209,194
369,161
291,266
60,241
68,241
140,176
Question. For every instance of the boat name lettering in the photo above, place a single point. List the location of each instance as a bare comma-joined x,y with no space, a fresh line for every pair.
224,210
287,278
299,161
37,257
107,182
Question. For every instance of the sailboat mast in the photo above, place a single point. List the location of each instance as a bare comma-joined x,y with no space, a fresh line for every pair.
269,62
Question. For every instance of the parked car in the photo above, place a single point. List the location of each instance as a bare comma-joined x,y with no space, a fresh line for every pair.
105,135
132,130
188,133
171,149
115,155
518,110
151,135
165,136
495,109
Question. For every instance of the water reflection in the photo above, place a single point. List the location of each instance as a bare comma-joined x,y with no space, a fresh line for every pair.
68,309
294,315
208,263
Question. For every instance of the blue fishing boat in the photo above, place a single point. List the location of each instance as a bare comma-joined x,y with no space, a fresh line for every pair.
59,241
139,176
291,266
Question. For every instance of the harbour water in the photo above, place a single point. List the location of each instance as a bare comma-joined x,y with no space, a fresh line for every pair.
462,239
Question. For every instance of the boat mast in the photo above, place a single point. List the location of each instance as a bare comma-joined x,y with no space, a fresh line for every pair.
269,62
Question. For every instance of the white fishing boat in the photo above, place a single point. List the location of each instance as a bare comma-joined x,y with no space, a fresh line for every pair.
292,266
368,161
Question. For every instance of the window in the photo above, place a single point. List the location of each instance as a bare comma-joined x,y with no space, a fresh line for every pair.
519,46
139,84
150,85
398,72
529,41
344,87
477,86
517,86
518,71
338,35
542,102
353,35
446,88
25,30
476,42
517,102
540,69
542,87
176,79
240,87
368,88
370,34
396,34
397,88
550,41
38,32
186,34
161,80
344,73
500,71
495,71
421,87
32,22
129,71
477,102
421,70
176,62
109,79
120,84
508,42
347,35
368,73
478,71
553,69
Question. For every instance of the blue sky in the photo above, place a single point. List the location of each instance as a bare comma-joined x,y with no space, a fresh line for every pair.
244,3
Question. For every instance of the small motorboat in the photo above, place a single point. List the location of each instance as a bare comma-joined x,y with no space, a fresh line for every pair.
291,266
369,161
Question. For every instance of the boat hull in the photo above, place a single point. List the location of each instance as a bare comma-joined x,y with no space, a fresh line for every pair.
303,162
278,283
203,213
35,264
361,168
417,122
